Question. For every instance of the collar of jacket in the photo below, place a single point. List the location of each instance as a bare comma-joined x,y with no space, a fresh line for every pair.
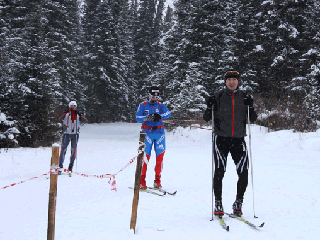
151,101
229,92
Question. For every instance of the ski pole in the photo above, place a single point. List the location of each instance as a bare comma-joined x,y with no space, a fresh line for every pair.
212,160
76,159
250,156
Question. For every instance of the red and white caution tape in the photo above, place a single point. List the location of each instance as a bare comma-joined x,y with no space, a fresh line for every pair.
14,184
54,170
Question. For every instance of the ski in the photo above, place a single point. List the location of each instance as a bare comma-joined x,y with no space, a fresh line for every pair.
245,221
163,190
223,224
65,173
149,191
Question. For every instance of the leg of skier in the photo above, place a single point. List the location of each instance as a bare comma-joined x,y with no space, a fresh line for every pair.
147,150
74,143
65,143
221,151
160,148
239,154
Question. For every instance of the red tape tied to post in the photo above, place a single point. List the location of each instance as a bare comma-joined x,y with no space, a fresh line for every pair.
54,170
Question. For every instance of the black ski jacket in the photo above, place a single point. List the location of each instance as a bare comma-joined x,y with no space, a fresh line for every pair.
230,113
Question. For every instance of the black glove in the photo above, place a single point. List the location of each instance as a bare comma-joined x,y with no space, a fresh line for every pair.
156,117
150,117
207,116
248,101
211,101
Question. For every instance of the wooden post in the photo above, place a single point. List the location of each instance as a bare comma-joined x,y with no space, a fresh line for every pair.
137,182
53,193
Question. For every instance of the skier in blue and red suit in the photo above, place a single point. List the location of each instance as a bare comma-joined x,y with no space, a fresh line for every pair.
150,113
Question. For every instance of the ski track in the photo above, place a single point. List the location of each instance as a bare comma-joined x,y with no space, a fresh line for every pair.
286,188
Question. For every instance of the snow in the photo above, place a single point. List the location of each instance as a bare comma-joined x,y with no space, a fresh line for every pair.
2,117
266,2
286,188
259,48
276,60
169,3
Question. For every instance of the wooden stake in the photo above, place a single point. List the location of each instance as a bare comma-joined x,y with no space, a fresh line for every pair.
137,182
53,193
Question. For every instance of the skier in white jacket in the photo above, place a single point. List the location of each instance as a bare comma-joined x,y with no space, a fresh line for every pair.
71,125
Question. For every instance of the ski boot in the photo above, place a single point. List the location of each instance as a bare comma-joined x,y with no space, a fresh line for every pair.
70,170
157,182
218,209
237,207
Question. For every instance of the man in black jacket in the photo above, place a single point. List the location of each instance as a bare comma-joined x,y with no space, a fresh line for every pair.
230,107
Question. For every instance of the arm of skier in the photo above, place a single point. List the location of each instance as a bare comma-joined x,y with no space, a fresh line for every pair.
248,100
140,114
207,116
165,113
63,115
61,118
81,117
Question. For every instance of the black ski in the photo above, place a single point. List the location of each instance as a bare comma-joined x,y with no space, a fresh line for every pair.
163,190
245,221
149,191
223,224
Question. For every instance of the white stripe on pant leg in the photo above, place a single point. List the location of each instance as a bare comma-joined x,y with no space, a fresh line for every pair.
220,158
242,161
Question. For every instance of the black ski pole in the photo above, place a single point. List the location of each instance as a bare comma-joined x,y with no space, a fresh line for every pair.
212,159
76,150
250,156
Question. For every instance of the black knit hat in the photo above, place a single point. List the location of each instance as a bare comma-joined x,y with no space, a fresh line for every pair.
154,91
232,74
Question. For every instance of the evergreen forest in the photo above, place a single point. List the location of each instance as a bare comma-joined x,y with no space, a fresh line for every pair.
105,54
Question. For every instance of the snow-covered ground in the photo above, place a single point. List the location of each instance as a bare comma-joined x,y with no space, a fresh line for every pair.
286,188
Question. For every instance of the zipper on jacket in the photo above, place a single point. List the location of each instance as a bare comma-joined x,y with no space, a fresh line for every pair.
232,114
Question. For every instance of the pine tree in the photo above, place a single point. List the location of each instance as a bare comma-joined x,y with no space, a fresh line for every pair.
109,55
148,30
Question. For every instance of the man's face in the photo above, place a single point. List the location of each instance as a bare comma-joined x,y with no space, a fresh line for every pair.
153,97
232,83
73,107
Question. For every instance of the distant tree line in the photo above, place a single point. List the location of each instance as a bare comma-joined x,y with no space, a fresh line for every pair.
105,54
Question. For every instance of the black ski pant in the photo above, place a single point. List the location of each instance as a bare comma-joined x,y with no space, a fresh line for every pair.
65,143
238,149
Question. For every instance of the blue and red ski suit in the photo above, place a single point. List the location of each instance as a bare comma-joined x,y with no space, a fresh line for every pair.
155,134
